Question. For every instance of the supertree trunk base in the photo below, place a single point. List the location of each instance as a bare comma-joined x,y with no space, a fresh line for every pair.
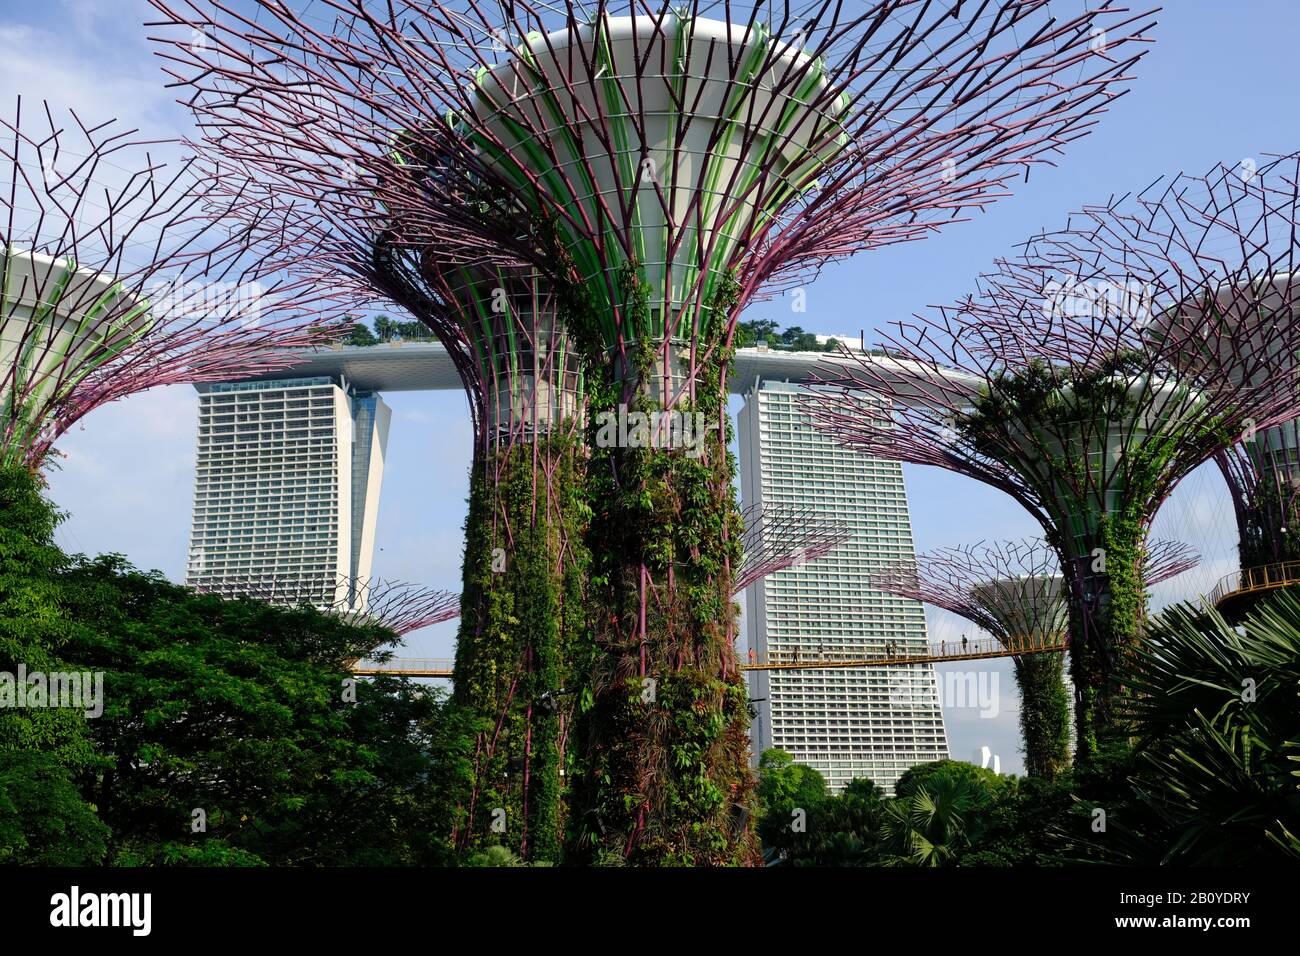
1106,621
666,779
1044,714
522,637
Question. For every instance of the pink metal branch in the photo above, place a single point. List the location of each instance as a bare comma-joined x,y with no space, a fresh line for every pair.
122,273
777,538
1159,322
395,605
1014,589
918,112
401,607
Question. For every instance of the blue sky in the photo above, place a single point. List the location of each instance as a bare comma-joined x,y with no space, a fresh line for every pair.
1217,86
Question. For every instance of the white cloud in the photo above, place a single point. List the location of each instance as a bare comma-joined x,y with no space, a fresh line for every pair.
103,70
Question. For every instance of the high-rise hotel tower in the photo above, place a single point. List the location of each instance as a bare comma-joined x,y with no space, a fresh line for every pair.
286,492
872,723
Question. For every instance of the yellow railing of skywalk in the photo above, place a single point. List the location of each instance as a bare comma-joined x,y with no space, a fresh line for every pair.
406,666
1265,577
795,659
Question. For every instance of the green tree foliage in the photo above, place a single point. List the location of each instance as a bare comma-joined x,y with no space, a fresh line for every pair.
386,329
498,855
947,813
241,710
845,830
34,626
43,818
801,824
922,774
235,708
940,810
360,334
1215,773
792,339
783,782
1023,823
952,813
749,334
785,787
936,822
390,330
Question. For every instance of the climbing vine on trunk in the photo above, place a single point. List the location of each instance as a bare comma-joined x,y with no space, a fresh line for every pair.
664,778
523,642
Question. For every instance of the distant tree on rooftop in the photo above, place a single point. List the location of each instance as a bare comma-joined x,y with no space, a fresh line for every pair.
793,339
361,335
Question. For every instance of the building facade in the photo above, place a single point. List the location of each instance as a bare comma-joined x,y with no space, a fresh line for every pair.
287,494
287,481
872,723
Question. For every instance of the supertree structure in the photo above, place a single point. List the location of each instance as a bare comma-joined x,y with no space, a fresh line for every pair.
121,273
399,606
395,605
520,638
1263,475
776,538
663,168
1014,590
357,225
1090,374
522,635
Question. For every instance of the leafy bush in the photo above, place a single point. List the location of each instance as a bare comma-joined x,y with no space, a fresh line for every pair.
235,708
924,774
1214,774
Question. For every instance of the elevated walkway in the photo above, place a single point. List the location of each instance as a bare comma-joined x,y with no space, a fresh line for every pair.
936,652
1237,592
